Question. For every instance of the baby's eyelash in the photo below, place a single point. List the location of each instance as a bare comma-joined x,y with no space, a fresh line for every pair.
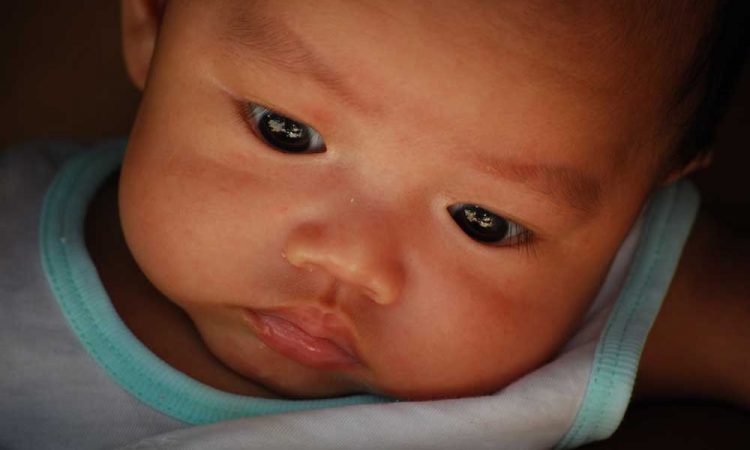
528,245
240,114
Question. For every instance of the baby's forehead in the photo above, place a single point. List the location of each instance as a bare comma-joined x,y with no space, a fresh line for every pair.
644,39
568,36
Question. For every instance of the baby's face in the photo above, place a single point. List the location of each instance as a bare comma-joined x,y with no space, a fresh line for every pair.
417,201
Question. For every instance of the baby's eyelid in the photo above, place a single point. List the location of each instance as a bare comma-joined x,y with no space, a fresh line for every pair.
245,102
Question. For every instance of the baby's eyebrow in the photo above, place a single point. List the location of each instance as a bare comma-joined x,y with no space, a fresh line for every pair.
255,35
566,185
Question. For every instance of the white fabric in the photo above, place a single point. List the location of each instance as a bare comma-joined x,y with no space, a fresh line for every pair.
52,394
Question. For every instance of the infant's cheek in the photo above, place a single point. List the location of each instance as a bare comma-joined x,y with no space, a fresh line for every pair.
423,356
456,343
161,234
179,238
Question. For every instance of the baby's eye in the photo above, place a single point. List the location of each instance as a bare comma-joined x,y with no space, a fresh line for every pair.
487,227
283,133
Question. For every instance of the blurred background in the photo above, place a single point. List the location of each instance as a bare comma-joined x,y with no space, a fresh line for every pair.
62,76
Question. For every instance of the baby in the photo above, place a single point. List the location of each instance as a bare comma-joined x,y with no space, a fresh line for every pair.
409,200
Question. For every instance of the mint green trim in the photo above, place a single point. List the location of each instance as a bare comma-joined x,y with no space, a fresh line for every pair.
668,221
84,302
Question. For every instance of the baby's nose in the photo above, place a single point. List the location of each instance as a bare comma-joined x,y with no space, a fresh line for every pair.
358,254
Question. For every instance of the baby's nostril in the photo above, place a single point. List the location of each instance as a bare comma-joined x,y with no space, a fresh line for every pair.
379,291
370,294
302,263
297,258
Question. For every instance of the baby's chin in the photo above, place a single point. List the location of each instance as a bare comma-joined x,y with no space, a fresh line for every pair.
299,383
305,388
303,383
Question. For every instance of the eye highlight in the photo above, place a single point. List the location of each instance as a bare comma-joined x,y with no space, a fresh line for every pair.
281,132
487,227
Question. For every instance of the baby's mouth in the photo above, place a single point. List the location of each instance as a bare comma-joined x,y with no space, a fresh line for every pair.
303,338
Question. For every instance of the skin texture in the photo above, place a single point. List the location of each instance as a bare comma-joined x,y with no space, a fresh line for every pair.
543,128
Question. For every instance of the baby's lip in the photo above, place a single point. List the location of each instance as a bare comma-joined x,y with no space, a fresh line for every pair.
308,336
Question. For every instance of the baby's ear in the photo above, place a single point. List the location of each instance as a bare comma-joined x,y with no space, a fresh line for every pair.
700,162
140,26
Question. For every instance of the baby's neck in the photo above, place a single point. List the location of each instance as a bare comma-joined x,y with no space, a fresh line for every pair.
157,322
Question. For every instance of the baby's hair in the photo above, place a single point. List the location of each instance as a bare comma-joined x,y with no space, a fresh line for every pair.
710,79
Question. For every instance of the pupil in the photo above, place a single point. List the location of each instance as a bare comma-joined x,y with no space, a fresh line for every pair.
480,224
284,133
